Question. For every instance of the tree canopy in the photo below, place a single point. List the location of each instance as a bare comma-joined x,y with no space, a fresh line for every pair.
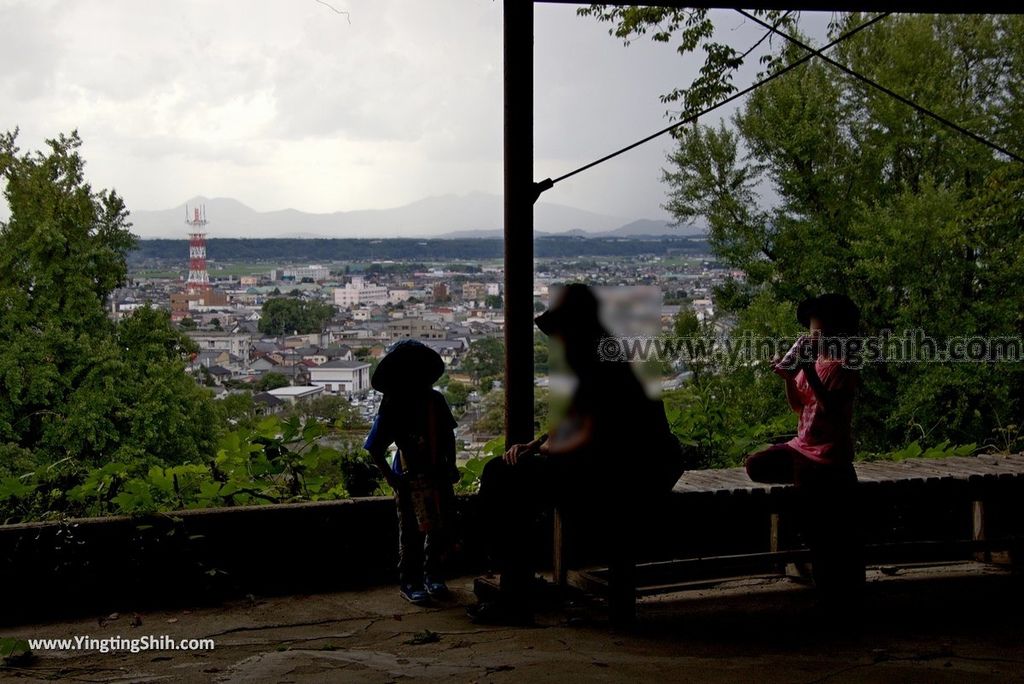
288,315
919,224
73,384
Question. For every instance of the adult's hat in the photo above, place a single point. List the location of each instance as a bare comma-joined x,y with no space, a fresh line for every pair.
837,311
575,310
409,364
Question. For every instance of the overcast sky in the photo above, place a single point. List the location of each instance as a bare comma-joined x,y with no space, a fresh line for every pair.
286,103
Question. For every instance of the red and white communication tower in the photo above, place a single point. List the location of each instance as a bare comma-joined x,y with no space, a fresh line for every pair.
198,278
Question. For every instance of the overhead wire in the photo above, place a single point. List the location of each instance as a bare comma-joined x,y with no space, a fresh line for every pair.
548,183
888,91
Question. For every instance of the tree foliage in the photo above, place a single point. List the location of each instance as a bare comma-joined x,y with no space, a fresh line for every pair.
287,315
485,358
75,386
692,30
271,461
919,224
270,381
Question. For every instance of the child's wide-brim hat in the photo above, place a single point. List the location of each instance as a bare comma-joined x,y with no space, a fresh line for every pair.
835,310
409,364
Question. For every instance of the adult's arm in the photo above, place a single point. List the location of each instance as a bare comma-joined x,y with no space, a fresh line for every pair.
581,438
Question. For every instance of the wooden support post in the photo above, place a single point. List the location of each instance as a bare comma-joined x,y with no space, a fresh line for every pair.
559,565
774,547
622,587
978,530
788,569
518,92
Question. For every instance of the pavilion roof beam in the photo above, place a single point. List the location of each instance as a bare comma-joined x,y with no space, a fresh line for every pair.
899,6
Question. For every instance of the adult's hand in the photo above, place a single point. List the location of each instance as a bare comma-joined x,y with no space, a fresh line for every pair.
517,452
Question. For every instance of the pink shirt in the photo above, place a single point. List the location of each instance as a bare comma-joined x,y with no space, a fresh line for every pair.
824,436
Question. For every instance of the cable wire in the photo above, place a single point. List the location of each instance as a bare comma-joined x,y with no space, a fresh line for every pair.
874,84
548,183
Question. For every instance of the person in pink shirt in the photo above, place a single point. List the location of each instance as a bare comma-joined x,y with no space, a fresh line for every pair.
820,387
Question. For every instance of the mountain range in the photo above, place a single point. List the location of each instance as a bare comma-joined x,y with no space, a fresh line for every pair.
451,216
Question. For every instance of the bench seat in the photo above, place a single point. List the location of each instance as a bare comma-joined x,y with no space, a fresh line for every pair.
912,510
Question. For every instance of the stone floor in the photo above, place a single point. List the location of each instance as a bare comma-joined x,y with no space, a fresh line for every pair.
952,623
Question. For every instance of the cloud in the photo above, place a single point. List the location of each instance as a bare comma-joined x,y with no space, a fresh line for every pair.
287,104
29,50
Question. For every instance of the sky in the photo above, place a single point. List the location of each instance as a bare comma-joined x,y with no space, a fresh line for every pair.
291,104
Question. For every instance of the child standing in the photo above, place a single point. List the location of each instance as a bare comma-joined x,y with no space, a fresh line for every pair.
416,418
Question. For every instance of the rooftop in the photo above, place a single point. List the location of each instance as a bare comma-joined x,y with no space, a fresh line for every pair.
342,363
295,391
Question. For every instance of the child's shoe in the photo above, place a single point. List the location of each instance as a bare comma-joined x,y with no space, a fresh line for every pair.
435,588
501,613
414,595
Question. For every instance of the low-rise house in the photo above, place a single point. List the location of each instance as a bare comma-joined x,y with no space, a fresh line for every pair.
342,377
342,351
211,357
414,328
238,344
285,357
264,346
220,374
292,393
264,364
297,341
267,404
449,350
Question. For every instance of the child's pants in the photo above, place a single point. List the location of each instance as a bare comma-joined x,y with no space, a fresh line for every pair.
419,553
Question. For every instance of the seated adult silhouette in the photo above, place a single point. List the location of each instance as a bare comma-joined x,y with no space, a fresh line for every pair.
612,449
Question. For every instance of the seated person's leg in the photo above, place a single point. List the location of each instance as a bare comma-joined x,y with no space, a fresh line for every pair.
510,497
829,510
775,465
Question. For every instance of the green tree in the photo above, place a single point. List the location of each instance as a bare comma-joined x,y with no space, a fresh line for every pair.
163,415
686,323
916,222
541,351
491,420
285,315
271,381
73,385
237,409
484,358
456,393
337,411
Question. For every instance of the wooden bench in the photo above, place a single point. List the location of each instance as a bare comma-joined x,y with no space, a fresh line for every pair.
911,510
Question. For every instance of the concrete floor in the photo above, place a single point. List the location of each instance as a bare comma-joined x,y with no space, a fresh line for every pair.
952,623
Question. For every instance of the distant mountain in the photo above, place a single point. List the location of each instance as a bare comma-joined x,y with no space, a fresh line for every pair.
653,227
470,215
